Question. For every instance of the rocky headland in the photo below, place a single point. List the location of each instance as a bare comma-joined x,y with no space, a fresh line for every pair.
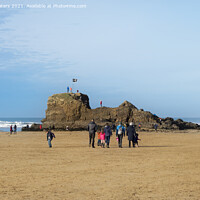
73,110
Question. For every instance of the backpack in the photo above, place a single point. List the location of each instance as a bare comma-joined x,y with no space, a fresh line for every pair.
120,130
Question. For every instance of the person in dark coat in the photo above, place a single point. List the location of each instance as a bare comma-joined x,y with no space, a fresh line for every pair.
15,128
92,128
50,137
108,133
131,134
113,127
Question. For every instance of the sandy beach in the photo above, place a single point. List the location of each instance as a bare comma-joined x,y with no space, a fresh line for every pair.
165,166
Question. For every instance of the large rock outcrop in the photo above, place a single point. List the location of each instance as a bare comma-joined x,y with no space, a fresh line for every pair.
73,110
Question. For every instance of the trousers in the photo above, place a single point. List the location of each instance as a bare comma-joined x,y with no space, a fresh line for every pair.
91,138
49,143
120,140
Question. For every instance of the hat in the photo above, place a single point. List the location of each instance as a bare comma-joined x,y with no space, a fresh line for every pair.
131,123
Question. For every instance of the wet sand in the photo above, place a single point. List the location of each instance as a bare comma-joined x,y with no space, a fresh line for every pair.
165,166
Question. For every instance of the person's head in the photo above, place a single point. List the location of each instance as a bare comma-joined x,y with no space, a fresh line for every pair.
120,123
131,124
92,120
106,124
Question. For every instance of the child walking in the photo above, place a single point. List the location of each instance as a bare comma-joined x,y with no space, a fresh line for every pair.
99,138
102,137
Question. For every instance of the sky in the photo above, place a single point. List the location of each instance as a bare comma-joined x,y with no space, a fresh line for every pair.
142,51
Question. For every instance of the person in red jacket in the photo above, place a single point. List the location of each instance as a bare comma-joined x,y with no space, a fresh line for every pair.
101,103
11,129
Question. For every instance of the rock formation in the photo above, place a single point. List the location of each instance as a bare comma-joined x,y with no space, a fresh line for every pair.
73,110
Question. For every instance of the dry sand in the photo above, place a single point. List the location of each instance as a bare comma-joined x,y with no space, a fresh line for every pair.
165,166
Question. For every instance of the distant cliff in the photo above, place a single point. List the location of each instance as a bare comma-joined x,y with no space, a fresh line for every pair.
73,110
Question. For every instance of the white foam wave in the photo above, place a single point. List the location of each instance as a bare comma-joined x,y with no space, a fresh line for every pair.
20,124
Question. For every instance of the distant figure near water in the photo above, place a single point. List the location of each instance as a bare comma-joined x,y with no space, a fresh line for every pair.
15,128
11,129
67,89
92,128
50,137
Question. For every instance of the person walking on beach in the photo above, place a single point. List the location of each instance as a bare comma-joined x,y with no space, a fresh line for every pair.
11,129
131,134
15,128
99,138
108,133
67,89
113,127
120,132
70,90
50,137
102,137
92,128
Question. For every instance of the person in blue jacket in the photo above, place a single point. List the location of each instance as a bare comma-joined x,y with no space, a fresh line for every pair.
108,133
120,132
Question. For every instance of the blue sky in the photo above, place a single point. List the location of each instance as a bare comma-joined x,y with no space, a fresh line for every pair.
144,51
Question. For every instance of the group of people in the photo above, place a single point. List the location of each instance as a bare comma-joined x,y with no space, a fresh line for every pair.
104,135
13,129
106,132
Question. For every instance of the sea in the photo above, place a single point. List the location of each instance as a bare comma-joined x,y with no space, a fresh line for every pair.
5,123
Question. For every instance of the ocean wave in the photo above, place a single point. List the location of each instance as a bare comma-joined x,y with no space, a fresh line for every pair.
20,124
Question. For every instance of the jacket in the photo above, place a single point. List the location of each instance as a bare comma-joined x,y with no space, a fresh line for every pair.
50,135
107,131
131,133
92,127
123,130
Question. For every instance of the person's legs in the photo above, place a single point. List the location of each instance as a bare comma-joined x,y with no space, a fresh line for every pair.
119,140
121,136
93,136
49,143
129,144
90,139
99,142
133,143
107,141
103,143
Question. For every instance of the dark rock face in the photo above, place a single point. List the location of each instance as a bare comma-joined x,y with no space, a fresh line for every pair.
34,127
73,110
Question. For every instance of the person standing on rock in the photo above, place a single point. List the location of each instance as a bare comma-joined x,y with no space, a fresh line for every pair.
92,128
50,137
108,133
101,103
67,89
131,134
120,132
